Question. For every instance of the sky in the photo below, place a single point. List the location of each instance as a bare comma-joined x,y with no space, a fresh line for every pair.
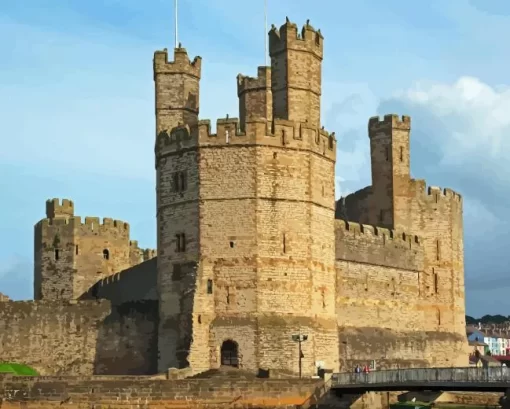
77,107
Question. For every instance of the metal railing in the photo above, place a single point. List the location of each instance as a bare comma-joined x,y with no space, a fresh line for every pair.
422,375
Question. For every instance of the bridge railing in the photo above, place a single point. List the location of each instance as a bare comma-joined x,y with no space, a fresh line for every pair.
419,375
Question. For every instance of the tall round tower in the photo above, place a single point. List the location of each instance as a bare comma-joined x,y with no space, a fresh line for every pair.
246,256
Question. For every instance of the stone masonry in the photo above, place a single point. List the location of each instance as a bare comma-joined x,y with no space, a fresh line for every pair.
252,248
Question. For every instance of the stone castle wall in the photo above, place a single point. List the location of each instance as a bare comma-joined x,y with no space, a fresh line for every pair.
47,392
80,337
422,303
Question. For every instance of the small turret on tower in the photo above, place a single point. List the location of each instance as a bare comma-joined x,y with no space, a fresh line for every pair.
390,157
55,209
177,89
296,64
255,98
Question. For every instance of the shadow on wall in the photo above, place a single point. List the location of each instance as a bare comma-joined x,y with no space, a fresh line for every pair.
127,339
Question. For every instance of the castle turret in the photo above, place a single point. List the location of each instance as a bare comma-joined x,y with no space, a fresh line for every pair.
255,97
296,64
390,157
177,89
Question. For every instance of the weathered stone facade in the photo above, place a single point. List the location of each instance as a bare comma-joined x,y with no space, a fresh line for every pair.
250,250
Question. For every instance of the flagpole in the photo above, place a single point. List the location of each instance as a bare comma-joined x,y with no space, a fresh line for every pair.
265,32
175,25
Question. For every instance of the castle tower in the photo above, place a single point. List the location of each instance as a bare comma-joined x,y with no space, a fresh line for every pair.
246,256
296,64
390,157
255,97
177,89
177,184
71,256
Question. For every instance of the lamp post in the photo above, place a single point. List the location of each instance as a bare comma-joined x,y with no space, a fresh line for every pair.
300,338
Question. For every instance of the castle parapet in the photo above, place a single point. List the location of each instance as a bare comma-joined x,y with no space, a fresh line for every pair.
377,125
261,82
378,246
91,224
434,193
288,37
57,208
283,134
180,65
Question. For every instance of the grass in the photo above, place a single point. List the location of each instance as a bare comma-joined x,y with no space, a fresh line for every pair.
17,369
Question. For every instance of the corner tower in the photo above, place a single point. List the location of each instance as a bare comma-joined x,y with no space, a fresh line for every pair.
71,256
296,65
246,256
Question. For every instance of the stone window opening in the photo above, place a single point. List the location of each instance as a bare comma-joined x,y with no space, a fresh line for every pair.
387,151
228,295
77,250
230,353
180,243
232,244
106,254
436,282
199,319
275,155
401,154
438,250
209,286
284,243
57,254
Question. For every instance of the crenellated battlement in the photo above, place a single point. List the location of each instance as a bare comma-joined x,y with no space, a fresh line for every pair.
374,231
434,193
261,82
180,65
363,243
287,37
149,254
283,134
59,208
92,224
377,125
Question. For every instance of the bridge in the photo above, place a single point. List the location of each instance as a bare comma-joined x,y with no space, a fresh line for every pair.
495,379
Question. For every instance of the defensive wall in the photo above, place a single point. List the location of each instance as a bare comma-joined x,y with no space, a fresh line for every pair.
420,284
80,337
37,392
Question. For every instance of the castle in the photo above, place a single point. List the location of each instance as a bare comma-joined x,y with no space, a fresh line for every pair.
253,252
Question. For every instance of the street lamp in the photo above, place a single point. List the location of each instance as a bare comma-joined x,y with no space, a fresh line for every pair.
300,338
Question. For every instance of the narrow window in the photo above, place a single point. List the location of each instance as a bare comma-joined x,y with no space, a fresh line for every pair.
232,244
180,242
387,153
436,282
284,243
209,286
106,254
182,177
57,254
228,295
176,181
438,317
438,250
275,155
283,137
401,154
77,250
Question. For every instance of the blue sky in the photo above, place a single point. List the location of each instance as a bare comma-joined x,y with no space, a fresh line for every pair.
77,116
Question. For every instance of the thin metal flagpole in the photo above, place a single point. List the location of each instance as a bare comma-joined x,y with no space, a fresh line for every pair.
265,32
175,25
